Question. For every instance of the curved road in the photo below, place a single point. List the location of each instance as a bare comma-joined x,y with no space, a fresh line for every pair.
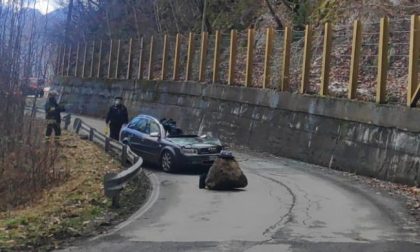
288,206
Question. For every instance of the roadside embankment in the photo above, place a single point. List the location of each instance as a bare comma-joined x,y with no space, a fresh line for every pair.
74,208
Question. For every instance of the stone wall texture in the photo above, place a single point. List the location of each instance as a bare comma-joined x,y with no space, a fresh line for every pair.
364,138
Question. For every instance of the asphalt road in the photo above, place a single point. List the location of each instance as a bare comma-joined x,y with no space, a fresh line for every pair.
288,206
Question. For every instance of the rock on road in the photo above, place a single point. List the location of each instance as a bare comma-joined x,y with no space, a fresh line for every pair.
288,206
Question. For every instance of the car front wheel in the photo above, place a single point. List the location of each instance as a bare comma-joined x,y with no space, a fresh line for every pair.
167,162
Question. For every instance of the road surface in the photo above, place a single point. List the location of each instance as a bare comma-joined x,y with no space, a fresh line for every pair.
288,206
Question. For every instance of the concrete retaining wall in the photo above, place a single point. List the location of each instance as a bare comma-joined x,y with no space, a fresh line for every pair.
377,141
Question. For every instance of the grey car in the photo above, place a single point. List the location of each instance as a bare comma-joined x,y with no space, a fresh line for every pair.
148,137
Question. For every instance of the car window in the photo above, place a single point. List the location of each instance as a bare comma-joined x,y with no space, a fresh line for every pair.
132,124
141,125
154,127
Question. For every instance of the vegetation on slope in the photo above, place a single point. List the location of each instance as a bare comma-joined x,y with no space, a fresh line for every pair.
76,207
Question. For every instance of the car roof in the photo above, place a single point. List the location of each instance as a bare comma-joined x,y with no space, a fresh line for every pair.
147,117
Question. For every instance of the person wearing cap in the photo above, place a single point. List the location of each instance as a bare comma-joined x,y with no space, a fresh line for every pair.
52,114
117,116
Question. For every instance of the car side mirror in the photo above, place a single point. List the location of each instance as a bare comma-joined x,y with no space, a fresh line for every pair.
155,134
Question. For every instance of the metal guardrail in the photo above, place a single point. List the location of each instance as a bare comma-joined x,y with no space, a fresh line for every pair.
113,183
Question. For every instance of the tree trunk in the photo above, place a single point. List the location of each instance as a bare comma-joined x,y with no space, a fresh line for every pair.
280,25
69,15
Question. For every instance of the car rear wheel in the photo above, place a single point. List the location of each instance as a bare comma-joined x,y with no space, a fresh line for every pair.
167,162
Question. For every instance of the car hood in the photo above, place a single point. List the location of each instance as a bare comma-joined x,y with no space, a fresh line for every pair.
195,142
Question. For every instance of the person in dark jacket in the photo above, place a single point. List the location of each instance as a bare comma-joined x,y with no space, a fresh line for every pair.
52,114
117,116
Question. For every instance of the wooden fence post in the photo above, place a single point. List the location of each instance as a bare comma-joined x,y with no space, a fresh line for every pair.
63,60
326,60
232,56
164,57
69,61
268,56
413,85
150,75
140,67
91,60
355,58
57,60
130,44
98,73
285,72
176,57
382,61
216,58
84,61
117,64
110,59
250,57
190,55
203,56
307,55
76,67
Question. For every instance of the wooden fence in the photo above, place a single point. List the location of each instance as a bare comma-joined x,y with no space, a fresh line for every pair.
236,59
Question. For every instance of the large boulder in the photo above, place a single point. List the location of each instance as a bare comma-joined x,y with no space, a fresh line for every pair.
225,174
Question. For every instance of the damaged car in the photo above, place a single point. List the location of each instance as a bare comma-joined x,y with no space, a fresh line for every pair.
160,142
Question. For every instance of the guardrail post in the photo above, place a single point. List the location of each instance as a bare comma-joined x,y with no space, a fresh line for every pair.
77,125
116,200
326,60
140,66
164,57
130,45
150,75
232,56
203,56
382,61
107,143
307,55
355,58
250,57
216,58
91,133
190,55
124,154
176,58
268,55
413,85
67,122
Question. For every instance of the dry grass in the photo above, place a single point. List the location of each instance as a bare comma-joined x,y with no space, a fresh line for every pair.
65,210
28,164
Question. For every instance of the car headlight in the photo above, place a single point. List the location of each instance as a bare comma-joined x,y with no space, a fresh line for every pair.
189,151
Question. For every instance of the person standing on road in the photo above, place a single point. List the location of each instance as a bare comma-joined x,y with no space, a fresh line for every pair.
52,114
117,116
